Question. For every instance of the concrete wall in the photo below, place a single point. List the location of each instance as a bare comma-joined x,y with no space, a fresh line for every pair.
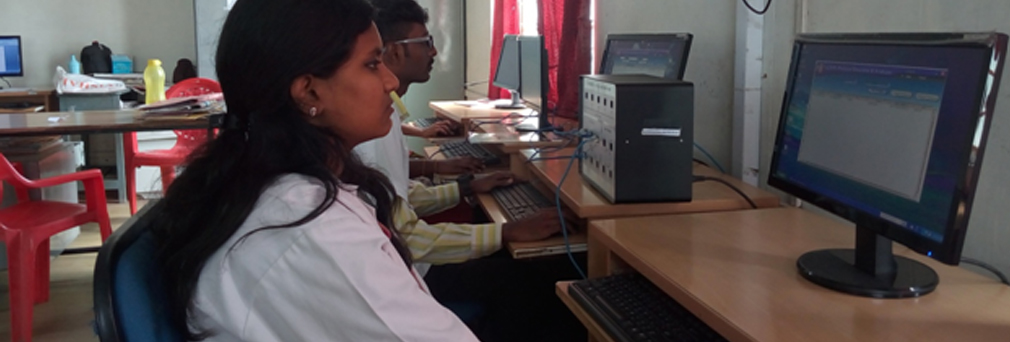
52,30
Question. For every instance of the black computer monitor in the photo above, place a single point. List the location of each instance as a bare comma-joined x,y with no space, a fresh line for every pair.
887,131
507,73
660,55
534,82
10,56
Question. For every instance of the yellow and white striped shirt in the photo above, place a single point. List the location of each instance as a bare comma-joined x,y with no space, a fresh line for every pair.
442,243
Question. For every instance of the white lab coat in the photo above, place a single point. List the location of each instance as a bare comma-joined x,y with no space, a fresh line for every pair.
335,278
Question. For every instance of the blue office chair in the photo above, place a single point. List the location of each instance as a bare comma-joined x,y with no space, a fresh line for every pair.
129,298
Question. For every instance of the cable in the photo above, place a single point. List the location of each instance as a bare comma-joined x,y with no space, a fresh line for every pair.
720,180
768,3
717,165
1002,278
440,151
557,204
8,82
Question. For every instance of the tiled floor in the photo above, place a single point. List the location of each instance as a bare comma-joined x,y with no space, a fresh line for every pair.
67,316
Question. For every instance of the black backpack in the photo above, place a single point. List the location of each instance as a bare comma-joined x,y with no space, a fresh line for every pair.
96,58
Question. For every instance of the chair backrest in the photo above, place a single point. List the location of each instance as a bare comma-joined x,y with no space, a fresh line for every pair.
129,295
192,87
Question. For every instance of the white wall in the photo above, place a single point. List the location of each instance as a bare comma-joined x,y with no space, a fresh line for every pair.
988,236
52,30
709,66
478,46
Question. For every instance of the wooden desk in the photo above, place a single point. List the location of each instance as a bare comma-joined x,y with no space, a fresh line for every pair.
44,97
88,122
480,118
585,202
737,272
454,111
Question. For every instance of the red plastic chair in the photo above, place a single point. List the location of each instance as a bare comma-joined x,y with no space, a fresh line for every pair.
186,141
26,228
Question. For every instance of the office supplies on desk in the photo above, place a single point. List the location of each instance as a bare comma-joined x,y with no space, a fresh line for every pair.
630,308
888,131
462,148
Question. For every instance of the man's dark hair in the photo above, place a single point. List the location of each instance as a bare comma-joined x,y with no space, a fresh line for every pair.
393,18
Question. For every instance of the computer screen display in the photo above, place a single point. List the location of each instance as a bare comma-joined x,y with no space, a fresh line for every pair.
888,131
10,56
507,73
660,55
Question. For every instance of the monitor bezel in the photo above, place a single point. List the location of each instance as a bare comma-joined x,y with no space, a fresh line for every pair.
518,57
21,59
684,36
949,250
541,107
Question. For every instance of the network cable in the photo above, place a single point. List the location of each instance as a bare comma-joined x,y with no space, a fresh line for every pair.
717,165
1003,279
720,180
557,203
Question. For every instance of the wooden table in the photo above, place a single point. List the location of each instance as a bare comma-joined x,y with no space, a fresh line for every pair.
737,272
587,203
582,200
44,97
89,122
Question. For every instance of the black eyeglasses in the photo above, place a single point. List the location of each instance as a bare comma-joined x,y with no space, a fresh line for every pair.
430,40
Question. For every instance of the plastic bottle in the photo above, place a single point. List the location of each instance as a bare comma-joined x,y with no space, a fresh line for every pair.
154,81
74,65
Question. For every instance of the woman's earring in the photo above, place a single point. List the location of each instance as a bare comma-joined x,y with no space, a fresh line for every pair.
313,112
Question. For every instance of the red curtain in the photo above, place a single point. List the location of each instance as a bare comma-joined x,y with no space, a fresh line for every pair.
505,21
566,27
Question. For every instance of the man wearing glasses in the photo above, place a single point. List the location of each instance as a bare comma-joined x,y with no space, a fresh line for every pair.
517,298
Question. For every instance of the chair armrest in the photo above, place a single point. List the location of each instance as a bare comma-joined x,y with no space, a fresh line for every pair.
20,191
61,179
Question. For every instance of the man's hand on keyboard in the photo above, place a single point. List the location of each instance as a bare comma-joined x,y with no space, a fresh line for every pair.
459,165
538,226
494,180
441,128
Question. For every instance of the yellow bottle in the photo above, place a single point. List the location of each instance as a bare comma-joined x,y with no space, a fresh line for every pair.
154,81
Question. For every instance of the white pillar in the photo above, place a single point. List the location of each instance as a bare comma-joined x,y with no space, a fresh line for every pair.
748,74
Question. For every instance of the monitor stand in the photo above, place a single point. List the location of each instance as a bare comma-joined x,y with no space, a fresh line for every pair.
516,103
869,270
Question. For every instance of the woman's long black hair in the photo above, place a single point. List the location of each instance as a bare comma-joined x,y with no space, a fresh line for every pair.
264,46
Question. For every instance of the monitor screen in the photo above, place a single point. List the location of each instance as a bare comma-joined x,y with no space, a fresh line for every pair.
660,55
506,75
10,56
887,131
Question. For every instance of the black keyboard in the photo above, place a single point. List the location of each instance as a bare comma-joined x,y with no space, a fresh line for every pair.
630,308
425,122
463,148
520,200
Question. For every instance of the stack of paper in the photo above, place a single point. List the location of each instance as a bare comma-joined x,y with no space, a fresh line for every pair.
188,107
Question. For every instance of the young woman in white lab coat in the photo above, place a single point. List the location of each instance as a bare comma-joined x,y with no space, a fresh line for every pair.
275,231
